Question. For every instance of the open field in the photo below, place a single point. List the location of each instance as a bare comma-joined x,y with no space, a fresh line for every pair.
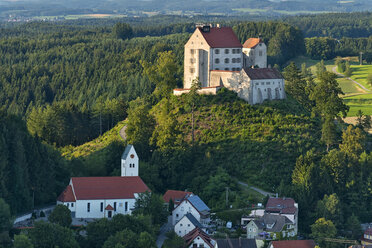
355,97
252,11
75,17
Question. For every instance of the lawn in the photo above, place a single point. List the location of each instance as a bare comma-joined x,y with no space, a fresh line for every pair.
359,102
360,73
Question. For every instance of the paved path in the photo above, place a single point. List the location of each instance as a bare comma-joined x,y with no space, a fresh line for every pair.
262,192
334,69
163,230
122,133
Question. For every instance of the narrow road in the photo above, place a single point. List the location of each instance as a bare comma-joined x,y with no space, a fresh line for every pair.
262,192
163,230
334,69
122,133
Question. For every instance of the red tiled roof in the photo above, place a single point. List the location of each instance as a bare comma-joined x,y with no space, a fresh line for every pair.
109,207
368,231
263,73
88,188
252,42
221,37
67,195
282,205
293,244
189,238
175,195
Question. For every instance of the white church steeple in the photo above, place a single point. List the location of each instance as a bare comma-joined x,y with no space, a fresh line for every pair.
129,162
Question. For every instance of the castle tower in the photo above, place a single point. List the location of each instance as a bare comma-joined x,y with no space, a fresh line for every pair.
129,162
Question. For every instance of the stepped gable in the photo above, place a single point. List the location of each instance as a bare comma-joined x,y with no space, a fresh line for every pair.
176,195
293,244
252,42
221,37
67,195
197,232
90,188
263,73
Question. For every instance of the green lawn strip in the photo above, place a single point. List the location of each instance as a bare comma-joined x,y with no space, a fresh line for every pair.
365,108
360,73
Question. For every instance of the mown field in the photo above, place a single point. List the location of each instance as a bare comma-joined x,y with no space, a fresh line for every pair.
355,97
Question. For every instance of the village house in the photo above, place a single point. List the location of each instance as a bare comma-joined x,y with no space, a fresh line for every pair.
99,197
270,227
292,244
235,243
197,238
176,196
215,57
367,237
283,206
195,206
186,224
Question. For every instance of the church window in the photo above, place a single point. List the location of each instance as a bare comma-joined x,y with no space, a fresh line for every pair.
227,60
68,205
126,206
177,215
217,61
188,224
180,224
192,70
101,206
233,60
114,206
238,60
227,51
88,207
217,51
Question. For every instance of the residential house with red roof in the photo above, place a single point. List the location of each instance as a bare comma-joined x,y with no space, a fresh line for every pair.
99,197
177,196
292,244
367,237
215,57
198,238
283,206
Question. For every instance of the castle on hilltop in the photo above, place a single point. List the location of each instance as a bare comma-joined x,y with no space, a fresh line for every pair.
215,56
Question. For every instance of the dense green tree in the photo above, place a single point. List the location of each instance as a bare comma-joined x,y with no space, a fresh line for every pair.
22,241
323,228
330,209
353,142
125,239
369,79
329,132
348,71
354,227
153,205
45,235
61,215
173,241
146,240
122,31
5,217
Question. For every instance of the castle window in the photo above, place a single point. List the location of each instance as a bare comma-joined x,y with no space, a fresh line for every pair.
257,83
262,83
233,51
227,60
192,70
260,53
217,61
72,205
114,206
192,51
192,60
233,60
226,69
267,83
88,207
227,51
101,206
238,60
217,51
217,68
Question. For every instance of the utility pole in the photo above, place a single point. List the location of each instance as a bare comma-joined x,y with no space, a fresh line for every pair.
361,58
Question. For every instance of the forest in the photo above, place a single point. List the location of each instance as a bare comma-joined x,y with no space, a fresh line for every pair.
64,85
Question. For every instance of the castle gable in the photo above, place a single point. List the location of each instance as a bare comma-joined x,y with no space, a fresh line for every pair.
221,37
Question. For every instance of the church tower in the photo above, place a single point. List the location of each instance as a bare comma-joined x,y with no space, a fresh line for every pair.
129,162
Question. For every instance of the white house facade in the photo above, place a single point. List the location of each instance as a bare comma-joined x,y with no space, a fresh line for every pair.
186,224
103,197
195,206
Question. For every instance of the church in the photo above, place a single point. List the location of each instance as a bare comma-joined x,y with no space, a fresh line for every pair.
103,197
215,57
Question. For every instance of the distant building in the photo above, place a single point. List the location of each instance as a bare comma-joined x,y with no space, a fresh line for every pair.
215,57
283,206
186,224
99,197
176,196
367,237
195,206
235,243
197,238
292,244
